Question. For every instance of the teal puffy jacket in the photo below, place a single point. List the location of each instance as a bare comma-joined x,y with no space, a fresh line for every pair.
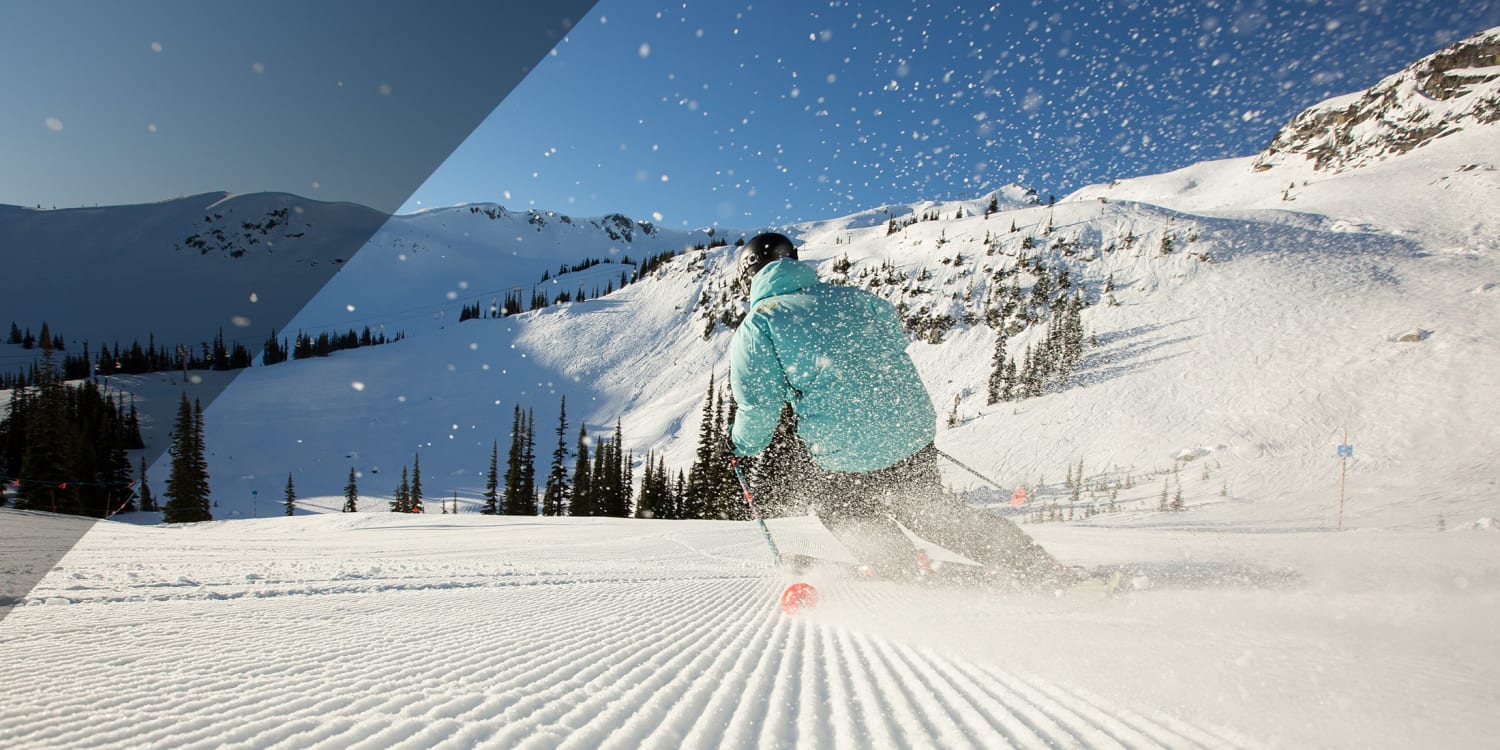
837,354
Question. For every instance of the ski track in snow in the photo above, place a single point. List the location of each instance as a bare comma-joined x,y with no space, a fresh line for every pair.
680,645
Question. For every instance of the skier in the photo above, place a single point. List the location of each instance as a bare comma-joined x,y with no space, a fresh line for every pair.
837,355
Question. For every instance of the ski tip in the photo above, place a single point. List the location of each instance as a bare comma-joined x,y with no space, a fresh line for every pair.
798,598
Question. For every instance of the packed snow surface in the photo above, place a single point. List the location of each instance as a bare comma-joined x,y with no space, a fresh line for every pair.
378,630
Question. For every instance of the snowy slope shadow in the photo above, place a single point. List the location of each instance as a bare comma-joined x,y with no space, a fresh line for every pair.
1120,352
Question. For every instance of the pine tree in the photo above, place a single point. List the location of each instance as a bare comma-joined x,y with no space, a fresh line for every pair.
528,466
599,481
513,465
200,459
1177,497
291,496
644,499
555,496
618,468
680,497
45,443
185,501
401,503
416,485
997,368
492,483
146,503
1161,503
700,480
351,494
584,502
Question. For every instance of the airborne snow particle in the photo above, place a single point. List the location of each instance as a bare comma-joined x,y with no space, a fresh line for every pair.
656,214
350,308
240,321
473,346
358,386
156,46
53,124
644,51
258,68
254,297
151,127
385,89
316,184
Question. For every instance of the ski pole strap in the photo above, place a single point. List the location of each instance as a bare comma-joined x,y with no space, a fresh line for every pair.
966,467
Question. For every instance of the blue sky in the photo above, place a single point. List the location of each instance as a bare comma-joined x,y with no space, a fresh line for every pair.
757,113
738,114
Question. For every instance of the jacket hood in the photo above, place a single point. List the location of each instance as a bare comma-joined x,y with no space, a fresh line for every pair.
782,276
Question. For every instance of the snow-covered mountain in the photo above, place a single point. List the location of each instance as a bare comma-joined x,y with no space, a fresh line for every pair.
1432,98
179,270
1242,315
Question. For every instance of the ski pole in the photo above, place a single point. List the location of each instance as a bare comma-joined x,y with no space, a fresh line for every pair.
734,462
961,465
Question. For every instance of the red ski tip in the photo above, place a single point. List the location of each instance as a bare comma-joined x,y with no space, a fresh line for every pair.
797,597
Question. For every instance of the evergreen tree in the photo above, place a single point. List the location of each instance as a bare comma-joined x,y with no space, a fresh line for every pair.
185,501
528,465
200,459
997,368
555,497
492,483
617,504
513,464
401,503
680,497
1161,503
1177,497
416,485
583,488
351,494
643,499
46,445
291,495
599,478
700,481
147,503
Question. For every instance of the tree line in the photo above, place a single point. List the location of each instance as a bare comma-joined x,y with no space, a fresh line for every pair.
63,446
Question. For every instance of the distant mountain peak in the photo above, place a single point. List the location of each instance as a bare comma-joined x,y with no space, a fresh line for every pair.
1451,90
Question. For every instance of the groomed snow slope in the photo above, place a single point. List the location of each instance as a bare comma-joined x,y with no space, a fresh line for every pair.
382,631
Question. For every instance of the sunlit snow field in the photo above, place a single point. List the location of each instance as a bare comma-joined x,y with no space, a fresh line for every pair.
377,630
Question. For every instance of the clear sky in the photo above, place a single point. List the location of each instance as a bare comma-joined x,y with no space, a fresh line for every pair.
358,100
744,114
749,114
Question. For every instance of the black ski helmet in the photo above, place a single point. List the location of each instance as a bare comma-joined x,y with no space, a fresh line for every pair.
761,250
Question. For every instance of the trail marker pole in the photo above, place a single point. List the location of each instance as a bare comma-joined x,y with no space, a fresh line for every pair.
1346,451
